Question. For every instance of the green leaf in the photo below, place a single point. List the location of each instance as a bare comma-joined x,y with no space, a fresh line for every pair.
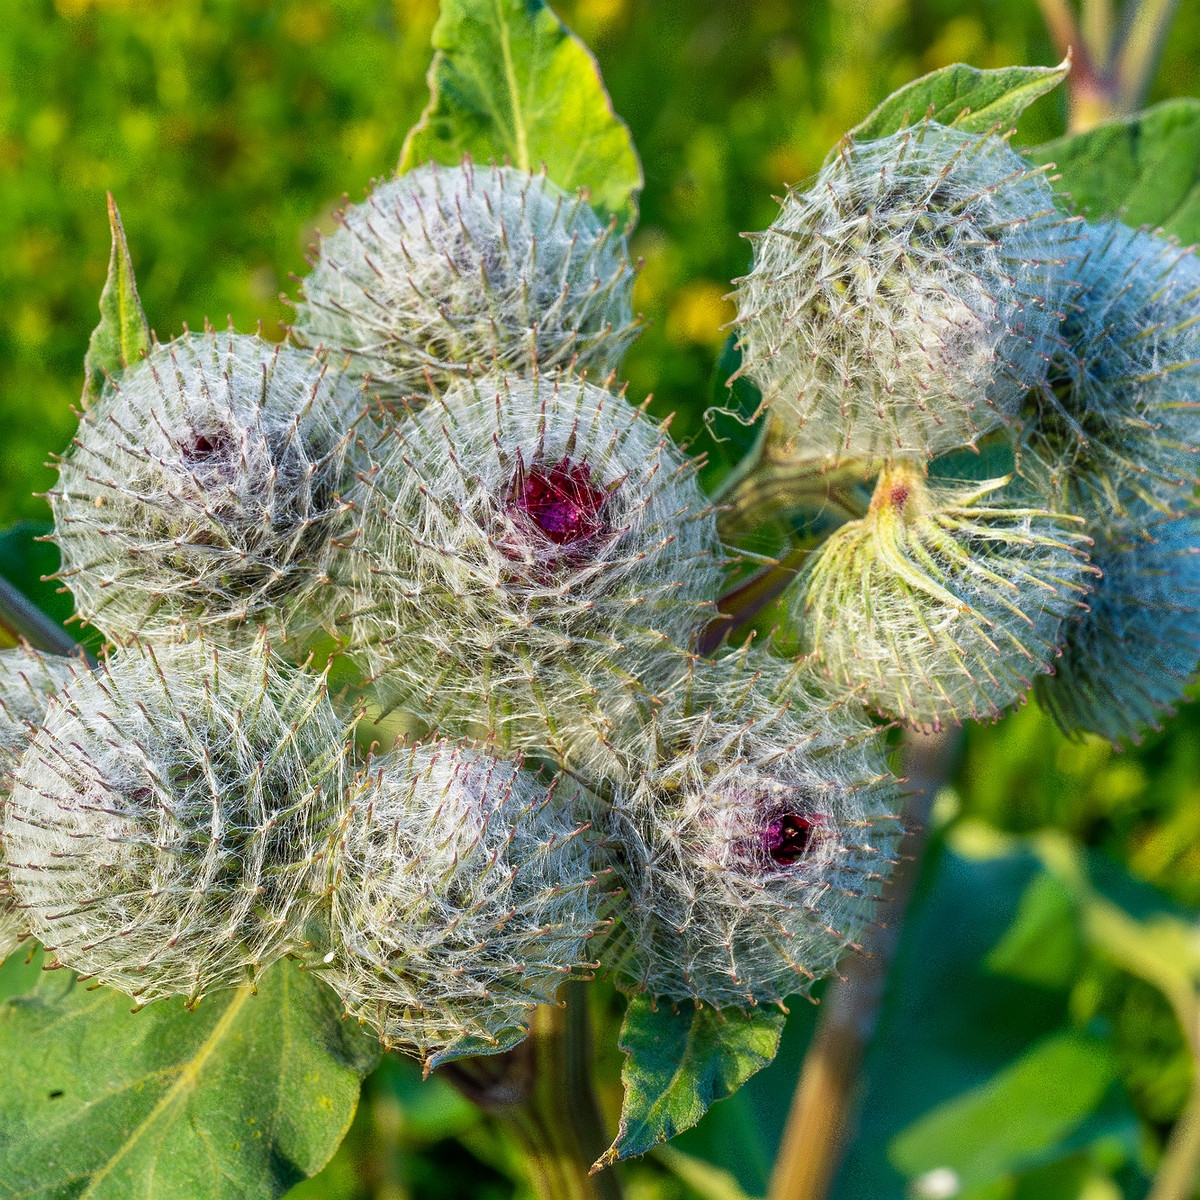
242,1098
511,81
680,1062
1044,944
1012,1120
122,334
962,96
1144,169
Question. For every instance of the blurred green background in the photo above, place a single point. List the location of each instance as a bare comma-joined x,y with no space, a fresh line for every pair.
228,130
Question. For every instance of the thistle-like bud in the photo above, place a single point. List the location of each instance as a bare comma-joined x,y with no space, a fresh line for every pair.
28,680
1117,420
905,303
1128,659
533,551
166,822
463,897
937,606
447,271
205,488
756,839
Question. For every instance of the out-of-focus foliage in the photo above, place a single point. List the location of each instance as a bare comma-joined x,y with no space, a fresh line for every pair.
228,129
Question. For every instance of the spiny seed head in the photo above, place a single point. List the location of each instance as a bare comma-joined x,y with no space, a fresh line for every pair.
205,488
529,546
1117,419
755,840
165,823
446,271
904,303
28,681
463,897
1127,660
938,606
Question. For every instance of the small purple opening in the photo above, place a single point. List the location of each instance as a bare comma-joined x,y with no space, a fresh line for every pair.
788,838
198,447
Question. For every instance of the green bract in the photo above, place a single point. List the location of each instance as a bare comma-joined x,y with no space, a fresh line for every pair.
937,606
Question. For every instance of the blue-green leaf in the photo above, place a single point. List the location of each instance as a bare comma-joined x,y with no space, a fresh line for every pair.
511,82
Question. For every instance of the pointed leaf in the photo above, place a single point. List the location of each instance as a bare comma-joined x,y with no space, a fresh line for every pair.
1144,169
122,334
511,82
246,1096
962,96
680,1062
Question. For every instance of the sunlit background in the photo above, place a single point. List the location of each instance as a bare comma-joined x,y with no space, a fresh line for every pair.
228,130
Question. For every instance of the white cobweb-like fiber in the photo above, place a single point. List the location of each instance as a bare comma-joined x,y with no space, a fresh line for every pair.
1127,660
754,843
536,554
938,606
166,822
464,896
28,680
204,488
904,303
447,270
1119,417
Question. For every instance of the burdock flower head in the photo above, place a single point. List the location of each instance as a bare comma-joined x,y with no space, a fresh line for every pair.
536,552
204,488
463,895
905,302
755,840
448,271
166,823
938,605
1128,658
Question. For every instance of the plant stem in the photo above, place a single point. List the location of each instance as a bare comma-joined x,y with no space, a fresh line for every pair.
541,1094
1179,1172
815,1136
25,621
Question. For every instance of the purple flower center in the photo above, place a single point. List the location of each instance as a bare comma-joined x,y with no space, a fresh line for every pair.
787,838
199,448
560,505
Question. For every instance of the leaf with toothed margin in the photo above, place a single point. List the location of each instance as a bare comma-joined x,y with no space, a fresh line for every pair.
1144,169
679,1062
511,82
963,97
123,333
245,1096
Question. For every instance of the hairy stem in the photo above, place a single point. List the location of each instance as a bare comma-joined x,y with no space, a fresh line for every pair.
541,1094
815,1136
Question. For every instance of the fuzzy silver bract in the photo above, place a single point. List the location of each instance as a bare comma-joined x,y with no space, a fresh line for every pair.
464,895
1128,659
905,302
167,820
28,680
537,557
204,489
754,843
939,605
1119,417
447,271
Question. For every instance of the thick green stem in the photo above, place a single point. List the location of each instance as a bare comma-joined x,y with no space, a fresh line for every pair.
541,1094
1179,1172
822,1107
